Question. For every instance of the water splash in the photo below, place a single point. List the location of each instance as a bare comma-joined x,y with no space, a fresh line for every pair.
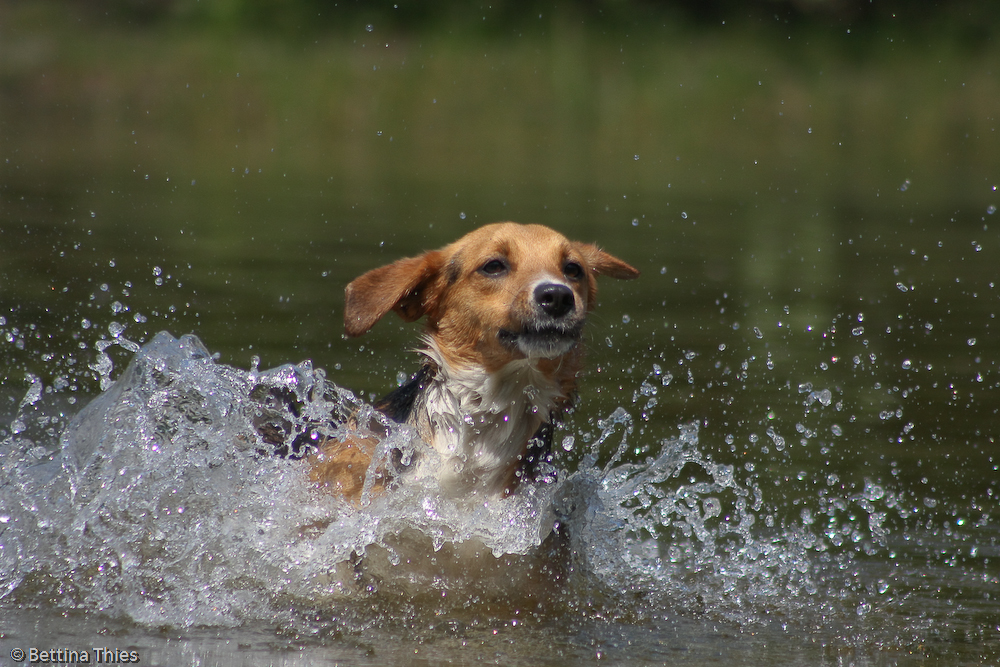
163,502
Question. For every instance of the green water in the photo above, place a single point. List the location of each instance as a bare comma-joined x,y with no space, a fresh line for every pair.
811,207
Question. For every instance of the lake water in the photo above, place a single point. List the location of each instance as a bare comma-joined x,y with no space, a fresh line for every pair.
784,450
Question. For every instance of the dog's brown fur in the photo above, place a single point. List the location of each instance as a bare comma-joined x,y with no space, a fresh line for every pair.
505,306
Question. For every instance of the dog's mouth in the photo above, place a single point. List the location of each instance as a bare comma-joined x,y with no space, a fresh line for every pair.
547,342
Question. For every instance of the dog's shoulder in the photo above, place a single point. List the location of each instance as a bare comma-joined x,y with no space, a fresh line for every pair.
398,405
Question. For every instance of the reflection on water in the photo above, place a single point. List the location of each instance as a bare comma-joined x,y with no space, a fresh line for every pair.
785,444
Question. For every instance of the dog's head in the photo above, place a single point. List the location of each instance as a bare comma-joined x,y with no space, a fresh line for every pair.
502,292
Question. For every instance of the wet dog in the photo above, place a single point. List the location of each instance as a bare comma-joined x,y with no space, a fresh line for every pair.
505,308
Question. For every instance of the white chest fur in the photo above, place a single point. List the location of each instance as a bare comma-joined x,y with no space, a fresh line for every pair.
479,422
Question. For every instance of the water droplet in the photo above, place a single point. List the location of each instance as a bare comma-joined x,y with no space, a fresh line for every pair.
369,27
567,443
116,329
712,507
635,157
757,332
779,442
836,430
635,222
462,215
991,209
857,331
157,270
873,491
684,214
902,288
907,364
626,319
971,342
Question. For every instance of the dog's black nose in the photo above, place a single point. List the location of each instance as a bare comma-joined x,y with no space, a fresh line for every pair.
554,299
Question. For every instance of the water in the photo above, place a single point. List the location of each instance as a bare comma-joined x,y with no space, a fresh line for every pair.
161,491
158,505
784,450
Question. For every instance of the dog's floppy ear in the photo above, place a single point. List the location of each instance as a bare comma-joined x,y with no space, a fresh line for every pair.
403,286
604,264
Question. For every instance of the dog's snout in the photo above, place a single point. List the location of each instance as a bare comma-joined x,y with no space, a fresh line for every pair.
554,299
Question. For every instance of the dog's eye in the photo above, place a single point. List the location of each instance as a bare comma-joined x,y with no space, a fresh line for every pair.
573,270
494,267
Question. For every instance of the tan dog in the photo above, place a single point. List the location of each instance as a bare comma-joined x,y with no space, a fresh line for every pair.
505,308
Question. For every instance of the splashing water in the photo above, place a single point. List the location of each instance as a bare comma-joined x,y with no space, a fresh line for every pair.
162,503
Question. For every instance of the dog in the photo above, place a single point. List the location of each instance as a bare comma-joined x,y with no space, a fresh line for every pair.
505,307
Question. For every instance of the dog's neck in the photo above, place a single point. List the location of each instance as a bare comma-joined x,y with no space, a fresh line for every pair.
479,422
